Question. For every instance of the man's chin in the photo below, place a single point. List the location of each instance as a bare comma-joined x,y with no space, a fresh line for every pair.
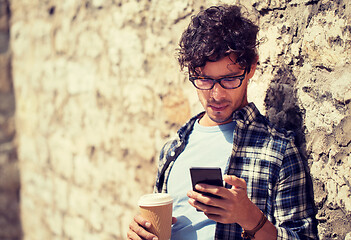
220,119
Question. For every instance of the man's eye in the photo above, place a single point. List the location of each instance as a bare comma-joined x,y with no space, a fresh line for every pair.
231,79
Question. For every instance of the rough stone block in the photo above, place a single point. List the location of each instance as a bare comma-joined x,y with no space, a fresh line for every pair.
5,76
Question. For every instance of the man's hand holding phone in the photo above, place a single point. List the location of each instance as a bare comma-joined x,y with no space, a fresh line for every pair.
219,203
230,205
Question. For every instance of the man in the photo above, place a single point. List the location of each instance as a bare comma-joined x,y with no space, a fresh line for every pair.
265,195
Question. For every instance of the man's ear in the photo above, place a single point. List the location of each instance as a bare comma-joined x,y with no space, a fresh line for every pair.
253,68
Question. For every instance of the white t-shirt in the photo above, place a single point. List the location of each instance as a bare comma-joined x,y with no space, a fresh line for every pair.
207,147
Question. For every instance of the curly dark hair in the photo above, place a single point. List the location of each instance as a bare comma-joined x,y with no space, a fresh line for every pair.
215,33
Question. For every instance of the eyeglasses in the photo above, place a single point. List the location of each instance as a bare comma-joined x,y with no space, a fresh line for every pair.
206,83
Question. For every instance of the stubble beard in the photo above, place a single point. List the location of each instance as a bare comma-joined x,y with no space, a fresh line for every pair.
225,119
220,120
218,116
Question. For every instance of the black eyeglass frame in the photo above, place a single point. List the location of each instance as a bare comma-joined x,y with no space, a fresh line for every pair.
241,77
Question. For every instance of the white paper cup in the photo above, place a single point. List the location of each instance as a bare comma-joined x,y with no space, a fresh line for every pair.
157,209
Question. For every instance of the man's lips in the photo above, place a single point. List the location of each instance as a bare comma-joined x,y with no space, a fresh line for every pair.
217,108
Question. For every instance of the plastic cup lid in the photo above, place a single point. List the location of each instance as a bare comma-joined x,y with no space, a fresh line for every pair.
155,199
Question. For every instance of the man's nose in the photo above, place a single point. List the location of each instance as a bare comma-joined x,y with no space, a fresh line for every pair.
217,92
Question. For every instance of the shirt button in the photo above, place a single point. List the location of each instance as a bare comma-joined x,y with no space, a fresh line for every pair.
172,153
247,122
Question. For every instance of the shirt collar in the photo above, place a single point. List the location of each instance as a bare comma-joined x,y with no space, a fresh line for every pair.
247,114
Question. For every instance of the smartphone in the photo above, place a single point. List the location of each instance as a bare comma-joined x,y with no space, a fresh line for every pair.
206,175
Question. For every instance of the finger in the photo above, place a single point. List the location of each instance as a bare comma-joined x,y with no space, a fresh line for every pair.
138,231
214,217
203,198
214,190
218,218
174,220
207,205
235,181
198,205
142,221
132,235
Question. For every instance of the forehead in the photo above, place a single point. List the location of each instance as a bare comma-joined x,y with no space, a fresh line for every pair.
223,67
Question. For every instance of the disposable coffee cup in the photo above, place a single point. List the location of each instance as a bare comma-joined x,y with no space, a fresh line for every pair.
157,209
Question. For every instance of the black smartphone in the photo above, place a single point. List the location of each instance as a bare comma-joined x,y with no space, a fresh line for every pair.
206,175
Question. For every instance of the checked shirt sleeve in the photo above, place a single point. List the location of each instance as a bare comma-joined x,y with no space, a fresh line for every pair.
293,213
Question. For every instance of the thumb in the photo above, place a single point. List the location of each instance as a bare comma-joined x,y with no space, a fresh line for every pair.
235,181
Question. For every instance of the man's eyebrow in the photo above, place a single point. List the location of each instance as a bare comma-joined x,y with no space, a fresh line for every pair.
233,74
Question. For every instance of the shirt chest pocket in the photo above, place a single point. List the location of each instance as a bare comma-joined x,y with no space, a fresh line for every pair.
259,175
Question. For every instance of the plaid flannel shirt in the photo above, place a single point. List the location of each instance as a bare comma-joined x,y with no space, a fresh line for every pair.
271,165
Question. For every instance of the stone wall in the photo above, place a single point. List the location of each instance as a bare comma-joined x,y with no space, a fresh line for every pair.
305,62
10,227
98,91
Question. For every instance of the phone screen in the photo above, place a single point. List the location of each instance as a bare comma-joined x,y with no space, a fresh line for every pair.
206,175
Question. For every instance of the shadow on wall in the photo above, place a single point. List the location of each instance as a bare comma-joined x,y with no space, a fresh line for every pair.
10,224
282,108
283,112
